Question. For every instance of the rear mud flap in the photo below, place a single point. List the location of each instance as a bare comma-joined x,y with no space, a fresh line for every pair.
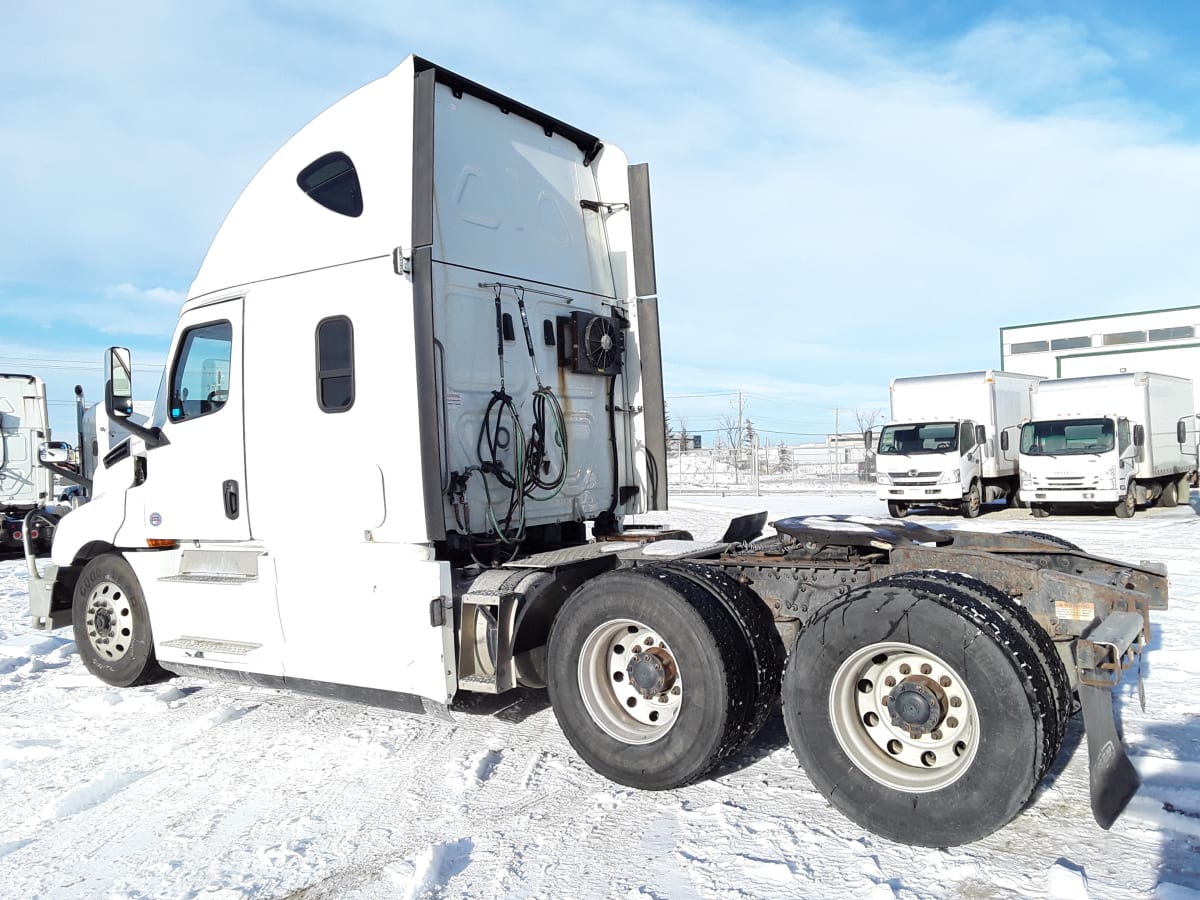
1113,778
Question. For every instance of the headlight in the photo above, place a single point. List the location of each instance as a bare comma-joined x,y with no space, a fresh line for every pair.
882,478
1112,476
949,477
1026,480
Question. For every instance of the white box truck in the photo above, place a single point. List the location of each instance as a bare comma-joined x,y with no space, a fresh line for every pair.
457,293
1117,441
951,441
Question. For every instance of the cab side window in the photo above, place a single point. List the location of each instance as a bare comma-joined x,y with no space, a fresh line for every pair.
335,364
966,440
200,376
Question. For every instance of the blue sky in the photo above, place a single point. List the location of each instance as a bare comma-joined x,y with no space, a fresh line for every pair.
843,193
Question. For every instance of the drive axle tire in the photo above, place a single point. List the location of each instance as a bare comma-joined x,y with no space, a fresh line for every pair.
112,624
649,677
1032,649
910,712
972,503
897,510
1049,539
766,651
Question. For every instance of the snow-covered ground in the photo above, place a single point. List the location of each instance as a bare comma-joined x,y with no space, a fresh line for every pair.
195,789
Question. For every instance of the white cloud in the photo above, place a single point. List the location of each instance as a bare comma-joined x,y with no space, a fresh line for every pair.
156,296
833,206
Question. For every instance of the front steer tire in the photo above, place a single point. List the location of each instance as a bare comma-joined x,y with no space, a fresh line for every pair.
972,503
112,624
943,656
685,649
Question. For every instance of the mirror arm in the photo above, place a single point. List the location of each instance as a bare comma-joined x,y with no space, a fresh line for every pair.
69,475
153,436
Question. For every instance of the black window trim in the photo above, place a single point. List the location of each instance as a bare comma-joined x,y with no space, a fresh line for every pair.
333,373
175,370
315,192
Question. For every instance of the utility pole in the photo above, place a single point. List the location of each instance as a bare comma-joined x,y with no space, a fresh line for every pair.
739,418
836,445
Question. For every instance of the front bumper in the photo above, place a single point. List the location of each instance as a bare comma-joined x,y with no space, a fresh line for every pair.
1054,495
923,493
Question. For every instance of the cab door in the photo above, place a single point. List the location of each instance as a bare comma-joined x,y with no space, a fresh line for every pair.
194,485
972,452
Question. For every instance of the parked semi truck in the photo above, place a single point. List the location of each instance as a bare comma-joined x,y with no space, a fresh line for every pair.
951,441
457,292
1117,441
25,486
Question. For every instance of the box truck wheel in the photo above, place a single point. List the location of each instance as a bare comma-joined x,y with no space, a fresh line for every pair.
1169,497
112,624
1039,510
972,503
912,711
897,510
648,677
1127,505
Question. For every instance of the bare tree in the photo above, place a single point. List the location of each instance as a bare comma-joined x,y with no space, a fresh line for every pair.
867,418
730,431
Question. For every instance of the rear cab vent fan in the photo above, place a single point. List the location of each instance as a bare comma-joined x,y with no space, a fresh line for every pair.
590,344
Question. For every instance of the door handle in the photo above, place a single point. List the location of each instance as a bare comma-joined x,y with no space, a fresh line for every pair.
233,506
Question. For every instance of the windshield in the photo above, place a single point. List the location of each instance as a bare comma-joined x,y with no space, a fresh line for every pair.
927,437
1064,437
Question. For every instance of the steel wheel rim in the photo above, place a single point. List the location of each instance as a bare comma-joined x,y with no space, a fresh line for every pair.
887,753
607,659
109,620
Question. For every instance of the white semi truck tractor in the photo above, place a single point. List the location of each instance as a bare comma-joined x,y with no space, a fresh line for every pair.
25,486
1114,441
952,441
457,293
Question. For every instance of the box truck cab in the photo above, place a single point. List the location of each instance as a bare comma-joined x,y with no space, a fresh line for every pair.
951,441
1116,441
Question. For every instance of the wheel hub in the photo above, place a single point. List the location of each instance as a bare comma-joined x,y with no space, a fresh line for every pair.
915,705
629,681
904,717
109,621
651,672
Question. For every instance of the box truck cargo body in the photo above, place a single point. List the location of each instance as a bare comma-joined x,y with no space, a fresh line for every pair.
951,441
1109,440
